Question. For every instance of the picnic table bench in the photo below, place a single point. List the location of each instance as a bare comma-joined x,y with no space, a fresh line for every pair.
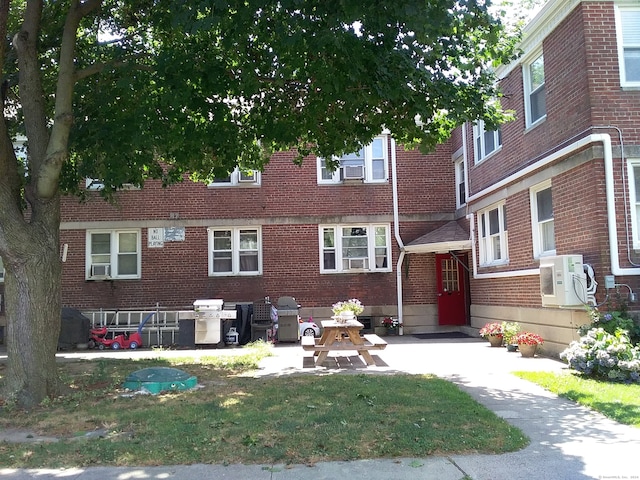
338,336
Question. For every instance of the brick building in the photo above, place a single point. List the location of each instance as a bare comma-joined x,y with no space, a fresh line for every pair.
448,240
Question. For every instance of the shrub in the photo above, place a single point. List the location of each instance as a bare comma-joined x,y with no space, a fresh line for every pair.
607,349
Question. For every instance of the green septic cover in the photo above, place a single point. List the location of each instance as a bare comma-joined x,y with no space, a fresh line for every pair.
160,379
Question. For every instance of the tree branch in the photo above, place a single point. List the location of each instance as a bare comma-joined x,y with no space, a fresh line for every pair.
56,153
101,66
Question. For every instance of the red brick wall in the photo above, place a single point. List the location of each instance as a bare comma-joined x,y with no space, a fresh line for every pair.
582,85
288,205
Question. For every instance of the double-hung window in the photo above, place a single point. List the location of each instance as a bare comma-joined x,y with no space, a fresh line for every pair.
113,254
238,177
461,185
542,226
235,251
492,228
370,164
633,169
355,248
485,141
628,28
534,91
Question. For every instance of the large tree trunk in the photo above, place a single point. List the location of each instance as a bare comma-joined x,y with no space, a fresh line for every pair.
33,304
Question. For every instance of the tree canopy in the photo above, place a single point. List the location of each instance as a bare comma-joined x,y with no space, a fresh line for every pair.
200,86
124,91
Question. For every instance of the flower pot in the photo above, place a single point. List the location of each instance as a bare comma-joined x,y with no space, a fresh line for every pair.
392,331
495,340
527,350
512,347
347,316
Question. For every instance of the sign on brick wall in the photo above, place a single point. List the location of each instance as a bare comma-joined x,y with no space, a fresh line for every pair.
155,237
174,234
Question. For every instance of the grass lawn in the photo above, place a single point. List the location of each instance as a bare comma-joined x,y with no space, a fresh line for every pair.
236,418
618,401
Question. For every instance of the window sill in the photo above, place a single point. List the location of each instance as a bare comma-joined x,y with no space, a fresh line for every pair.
501,263
535,124
487,157
234,185
227,275
110,279
352,272
355,181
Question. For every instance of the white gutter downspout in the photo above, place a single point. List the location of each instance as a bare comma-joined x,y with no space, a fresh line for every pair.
611,208
396,228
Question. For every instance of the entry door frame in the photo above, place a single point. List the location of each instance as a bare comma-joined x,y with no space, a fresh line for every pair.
452,285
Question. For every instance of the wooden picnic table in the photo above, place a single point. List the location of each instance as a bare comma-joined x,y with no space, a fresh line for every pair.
339,336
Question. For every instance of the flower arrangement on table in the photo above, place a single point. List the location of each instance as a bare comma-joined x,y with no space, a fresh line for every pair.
391,323
528,338
493,329
353,305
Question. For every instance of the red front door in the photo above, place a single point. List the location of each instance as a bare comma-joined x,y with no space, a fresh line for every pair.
451,291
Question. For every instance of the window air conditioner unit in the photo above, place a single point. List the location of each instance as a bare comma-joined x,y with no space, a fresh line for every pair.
357,263
353,172
563,281
100,270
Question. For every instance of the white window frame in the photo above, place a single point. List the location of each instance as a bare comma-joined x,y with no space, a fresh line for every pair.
634,201
480,141
337,176
486,239
537,225
461,182
238,178
235,251
626,14
365,264
529,91
113,261
95,185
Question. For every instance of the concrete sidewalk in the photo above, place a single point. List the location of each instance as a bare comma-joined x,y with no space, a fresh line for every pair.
567,441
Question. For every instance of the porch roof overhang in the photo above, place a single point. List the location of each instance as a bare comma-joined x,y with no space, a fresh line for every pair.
449,237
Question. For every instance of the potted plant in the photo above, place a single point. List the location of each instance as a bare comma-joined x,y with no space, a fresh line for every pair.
391,325
347,309
528,343
510,331
493,332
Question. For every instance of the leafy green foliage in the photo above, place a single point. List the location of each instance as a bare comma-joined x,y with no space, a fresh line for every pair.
608,347
201,88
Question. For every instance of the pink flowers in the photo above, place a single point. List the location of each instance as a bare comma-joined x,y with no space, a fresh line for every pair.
492,329
391,322
528,338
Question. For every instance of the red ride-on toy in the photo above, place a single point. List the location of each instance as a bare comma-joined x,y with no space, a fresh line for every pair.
102,338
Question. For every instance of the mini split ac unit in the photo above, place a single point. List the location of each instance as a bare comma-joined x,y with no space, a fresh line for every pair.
353,172
100,270
563,281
